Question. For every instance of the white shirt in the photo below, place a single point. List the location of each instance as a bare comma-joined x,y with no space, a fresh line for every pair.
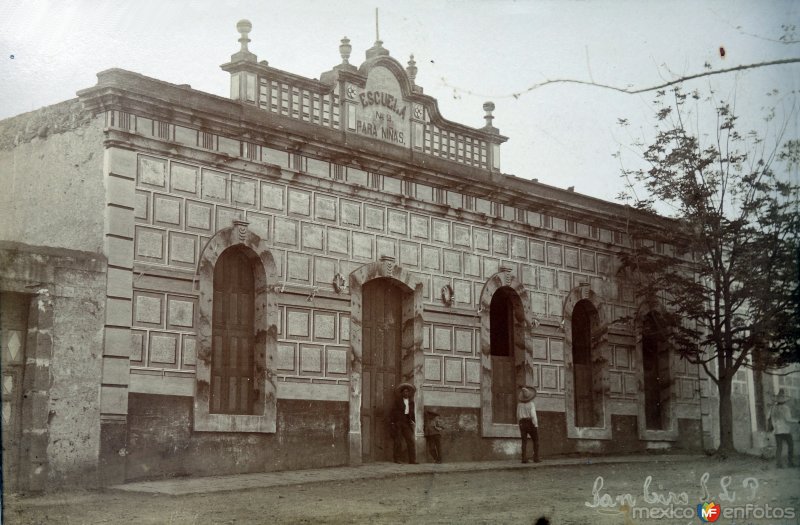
405,402
781,418
527,410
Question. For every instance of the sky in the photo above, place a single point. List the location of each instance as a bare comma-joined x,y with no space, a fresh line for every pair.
467,51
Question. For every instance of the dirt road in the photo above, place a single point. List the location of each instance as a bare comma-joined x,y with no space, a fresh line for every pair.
588,493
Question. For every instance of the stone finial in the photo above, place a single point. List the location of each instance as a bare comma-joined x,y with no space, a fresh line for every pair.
244,27
345,49
412,69
488,107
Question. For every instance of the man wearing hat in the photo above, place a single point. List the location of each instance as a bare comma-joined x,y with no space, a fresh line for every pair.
433,434
402,421
528,422
780,416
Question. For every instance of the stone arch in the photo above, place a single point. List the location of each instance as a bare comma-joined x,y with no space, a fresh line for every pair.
265,337
669,432
412,357
598,354
523,352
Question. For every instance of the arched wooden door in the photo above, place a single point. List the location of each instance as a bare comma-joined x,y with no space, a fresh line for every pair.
583,366
381,328
504,376
232,370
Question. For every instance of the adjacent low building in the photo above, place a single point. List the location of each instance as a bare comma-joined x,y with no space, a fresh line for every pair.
198,285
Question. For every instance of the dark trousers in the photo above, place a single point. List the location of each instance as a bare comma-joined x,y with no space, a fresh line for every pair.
780,439
405,433
435,447
527,428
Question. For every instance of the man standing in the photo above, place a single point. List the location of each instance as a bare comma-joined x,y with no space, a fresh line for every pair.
402,421
528,422
780,417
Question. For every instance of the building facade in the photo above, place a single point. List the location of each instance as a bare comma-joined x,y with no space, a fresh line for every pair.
198,285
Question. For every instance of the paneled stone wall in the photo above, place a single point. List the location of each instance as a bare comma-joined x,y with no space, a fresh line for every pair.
318,228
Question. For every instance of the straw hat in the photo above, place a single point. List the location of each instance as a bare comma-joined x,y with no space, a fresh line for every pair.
399,388
526,393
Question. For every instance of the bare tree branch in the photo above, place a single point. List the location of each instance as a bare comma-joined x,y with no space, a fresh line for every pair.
628,90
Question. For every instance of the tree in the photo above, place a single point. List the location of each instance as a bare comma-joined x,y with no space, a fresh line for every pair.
725,266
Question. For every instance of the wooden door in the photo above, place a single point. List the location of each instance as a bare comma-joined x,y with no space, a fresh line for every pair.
13,334
232,370
381,338
501,341
583,371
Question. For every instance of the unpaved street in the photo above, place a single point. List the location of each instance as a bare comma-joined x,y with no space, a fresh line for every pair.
497,497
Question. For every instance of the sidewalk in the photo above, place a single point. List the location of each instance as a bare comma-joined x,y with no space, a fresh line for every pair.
214,484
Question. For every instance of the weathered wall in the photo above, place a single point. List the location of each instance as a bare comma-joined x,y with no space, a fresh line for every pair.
61,405
51,174
161,442
461,439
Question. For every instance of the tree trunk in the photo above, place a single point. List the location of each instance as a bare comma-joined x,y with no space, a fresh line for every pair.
725,416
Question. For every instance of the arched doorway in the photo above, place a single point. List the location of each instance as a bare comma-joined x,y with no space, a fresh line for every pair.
588,409
232,353
382,331
502,343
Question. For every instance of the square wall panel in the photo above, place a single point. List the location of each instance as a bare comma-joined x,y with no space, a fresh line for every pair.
462,236
539,348
163,349
199,216
324,270
336,360
420,227
272,196
310,359
324,326
152,172
244,191
189,352
167,210
374,217
298,267
462,291
180,312
182,250
442,338
386,246
286,361
349,213
464,339
214,185
298,323
260,224
299,202
184,179
312,236
149,244
571,258
338,241
398,222
325,208
433,369
148,309
554,255
453,372
441,231
472,369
